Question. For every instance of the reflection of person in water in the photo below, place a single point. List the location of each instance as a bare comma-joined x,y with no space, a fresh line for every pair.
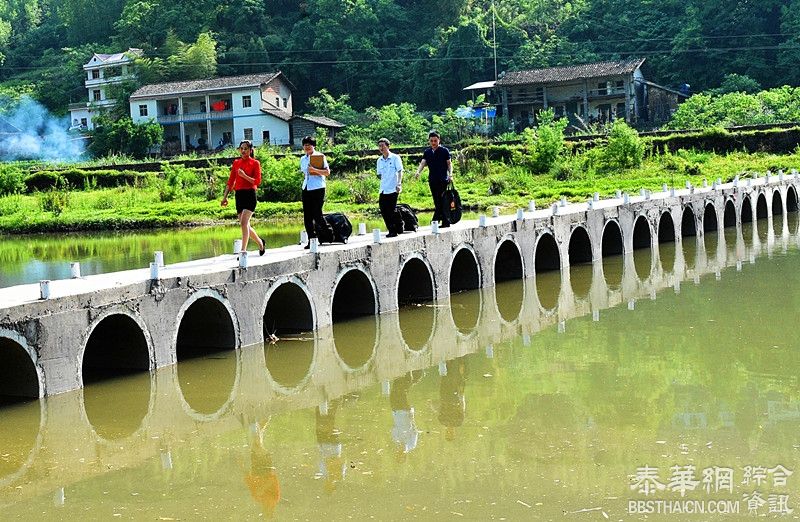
404,430
261,479
453,407
331,465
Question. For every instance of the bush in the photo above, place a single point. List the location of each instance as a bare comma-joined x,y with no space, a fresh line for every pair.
364,188
55,201
179,183
11,180
281,179
545,144
42,180
624,150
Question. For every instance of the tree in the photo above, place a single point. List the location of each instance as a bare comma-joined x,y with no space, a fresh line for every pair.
737,83
123,136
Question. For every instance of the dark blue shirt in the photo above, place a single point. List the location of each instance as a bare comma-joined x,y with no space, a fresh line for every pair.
437,163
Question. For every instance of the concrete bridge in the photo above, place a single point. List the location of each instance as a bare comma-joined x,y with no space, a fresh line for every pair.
62,445
125,322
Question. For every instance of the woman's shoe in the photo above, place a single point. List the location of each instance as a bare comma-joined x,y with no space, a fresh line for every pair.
263,248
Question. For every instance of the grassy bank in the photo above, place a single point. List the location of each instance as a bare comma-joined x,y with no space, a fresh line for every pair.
191,196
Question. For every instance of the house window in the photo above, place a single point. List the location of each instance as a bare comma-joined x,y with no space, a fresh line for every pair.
621,111
247,101
84,122
619,85
277,102
248,134
265,136
96,95
602,88
95,74
285,103
142,110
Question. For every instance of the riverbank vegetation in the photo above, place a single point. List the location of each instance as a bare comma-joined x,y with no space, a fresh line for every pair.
542,167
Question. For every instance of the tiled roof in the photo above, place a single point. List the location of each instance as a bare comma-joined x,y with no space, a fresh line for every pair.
322,121
214,84
278,113
116,57
570,72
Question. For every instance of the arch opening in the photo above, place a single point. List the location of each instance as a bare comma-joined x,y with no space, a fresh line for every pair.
289,362
580,247
207,383
612,240
19,381
206,328
507,262
415,285
747,210
777,203
355,341
465,309
688,226
729,219
641,233
710,223
116,347
509,297
548,289
464,273
761,207
416,325
353,297
791,200
288,311
547,257
666,228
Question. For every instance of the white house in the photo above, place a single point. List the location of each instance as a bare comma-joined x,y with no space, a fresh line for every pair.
206,114
102,71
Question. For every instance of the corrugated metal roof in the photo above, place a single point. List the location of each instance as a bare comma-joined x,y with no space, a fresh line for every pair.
479,86
213,84
568,73
322,121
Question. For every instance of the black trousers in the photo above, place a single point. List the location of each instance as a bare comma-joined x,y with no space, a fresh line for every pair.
437,190
388,204
312,210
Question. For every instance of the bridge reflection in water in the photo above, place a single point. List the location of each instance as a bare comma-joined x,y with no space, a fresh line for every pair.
234,405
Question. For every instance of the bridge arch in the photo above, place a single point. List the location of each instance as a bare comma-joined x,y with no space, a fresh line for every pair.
580,246
777,203
466,309
666,227
116,343
289,368
642,234
415,281
288,308
20,375
206,324
729,218
791,199
688,222
710,222
546,254
465,273
354,295
508,260
747,210
612,239
762,211
356,343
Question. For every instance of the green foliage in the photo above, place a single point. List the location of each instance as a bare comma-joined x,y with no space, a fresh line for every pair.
281,179
399,122
123,136
738,108
625,149
339,109
11,179
179,183
363,188
737,83
56,200
545,144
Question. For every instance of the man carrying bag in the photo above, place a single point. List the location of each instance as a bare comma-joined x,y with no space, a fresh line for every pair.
440,174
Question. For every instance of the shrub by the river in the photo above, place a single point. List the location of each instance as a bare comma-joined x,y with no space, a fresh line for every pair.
624,150
11,180
281,179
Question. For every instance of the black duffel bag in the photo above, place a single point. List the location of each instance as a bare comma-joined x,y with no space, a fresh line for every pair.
338,229
452,204
409,217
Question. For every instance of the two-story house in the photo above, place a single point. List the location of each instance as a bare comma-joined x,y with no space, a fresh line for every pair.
208,114
592,92
102,72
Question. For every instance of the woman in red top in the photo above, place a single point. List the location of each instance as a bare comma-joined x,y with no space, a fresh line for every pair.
244,179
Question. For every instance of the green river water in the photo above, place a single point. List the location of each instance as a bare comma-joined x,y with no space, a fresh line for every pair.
672,379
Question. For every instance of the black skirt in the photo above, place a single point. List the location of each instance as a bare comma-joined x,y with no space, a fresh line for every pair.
245,200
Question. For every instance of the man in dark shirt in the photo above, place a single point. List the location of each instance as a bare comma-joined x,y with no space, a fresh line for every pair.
440,173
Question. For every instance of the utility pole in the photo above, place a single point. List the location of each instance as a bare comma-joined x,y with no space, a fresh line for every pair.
494,41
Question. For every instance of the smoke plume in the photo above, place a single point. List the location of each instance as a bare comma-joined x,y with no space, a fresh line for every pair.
29,131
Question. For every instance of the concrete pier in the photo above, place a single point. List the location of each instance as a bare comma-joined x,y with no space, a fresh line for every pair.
134,321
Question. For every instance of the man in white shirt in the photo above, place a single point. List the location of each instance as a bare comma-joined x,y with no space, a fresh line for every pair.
390,172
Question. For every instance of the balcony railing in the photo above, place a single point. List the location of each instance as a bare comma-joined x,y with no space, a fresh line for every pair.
195,116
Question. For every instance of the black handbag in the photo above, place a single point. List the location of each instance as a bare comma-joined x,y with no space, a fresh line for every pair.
452,204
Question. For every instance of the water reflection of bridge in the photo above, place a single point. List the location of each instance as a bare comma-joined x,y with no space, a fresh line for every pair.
85,433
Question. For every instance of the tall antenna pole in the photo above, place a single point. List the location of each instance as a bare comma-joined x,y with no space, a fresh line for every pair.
494,42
